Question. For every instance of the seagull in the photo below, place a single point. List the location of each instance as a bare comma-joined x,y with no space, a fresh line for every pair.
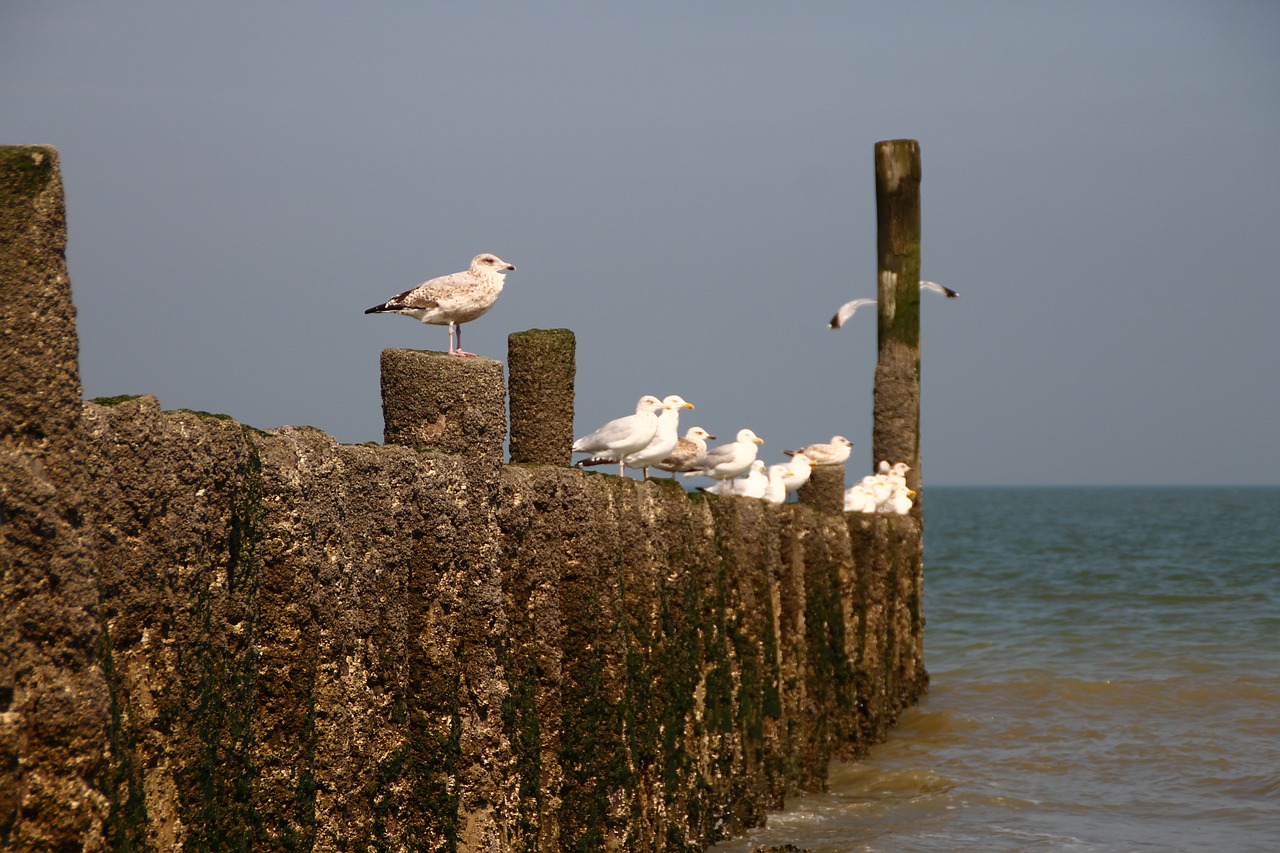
847,310
624,435
889,487
452,299
859,498
663,442
799,469
833,453
729,460
850,308
899,503
775,491
688,452
751,486
938,288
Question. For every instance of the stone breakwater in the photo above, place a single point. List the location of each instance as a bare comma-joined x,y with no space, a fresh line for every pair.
213,637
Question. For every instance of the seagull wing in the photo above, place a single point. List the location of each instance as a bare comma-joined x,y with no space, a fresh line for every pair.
846,311
938,288
445,286
618,431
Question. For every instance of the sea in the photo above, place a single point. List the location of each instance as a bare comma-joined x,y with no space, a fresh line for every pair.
1105,669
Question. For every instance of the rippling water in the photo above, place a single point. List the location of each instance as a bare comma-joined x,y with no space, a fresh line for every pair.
1106,676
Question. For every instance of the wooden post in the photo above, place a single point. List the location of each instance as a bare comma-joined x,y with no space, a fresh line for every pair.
896,400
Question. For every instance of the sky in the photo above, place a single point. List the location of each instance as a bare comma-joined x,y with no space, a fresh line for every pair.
690,188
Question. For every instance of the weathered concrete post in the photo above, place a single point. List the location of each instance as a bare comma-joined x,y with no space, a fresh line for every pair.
540,368
825,489
434,401
55,719
896,406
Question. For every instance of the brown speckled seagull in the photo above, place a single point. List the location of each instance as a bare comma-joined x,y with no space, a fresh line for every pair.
833,453
688,452
452,299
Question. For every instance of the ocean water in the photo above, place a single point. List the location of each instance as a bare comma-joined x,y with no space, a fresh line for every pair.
1105,677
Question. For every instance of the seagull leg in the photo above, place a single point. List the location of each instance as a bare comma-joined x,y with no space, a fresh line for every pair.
451,352
460,350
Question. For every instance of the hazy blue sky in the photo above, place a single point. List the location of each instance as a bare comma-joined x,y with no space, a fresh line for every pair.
690,188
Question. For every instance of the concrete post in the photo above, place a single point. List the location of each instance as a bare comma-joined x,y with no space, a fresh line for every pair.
825,489
54,704
540,368
434,401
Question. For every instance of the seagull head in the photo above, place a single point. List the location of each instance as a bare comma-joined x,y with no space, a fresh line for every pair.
746,435
648,403
675,401
487,263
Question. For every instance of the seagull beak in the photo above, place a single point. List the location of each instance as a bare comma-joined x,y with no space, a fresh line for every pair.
688,405
758,440
511,267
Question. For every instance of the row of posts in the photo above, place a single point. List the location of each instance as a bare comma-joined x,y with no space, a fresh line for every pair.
436,402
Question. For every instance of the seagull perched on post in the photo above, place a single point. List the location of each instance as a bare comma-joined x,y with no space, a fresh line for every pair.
622,436
832,453
688,452
851,307
775,491
663,442
729,460
753,485
798,471
452,299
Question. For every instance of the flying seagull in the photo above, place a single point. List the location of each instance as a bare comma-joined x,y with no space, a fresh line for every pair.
452,299
850,308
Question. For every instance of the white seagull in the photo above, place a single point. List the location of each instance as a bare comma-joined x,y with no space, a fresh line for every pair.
799,469
851,307
624,435
833,453
452,299
751,486
775,492
688,453
859,498
729,460
663,442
